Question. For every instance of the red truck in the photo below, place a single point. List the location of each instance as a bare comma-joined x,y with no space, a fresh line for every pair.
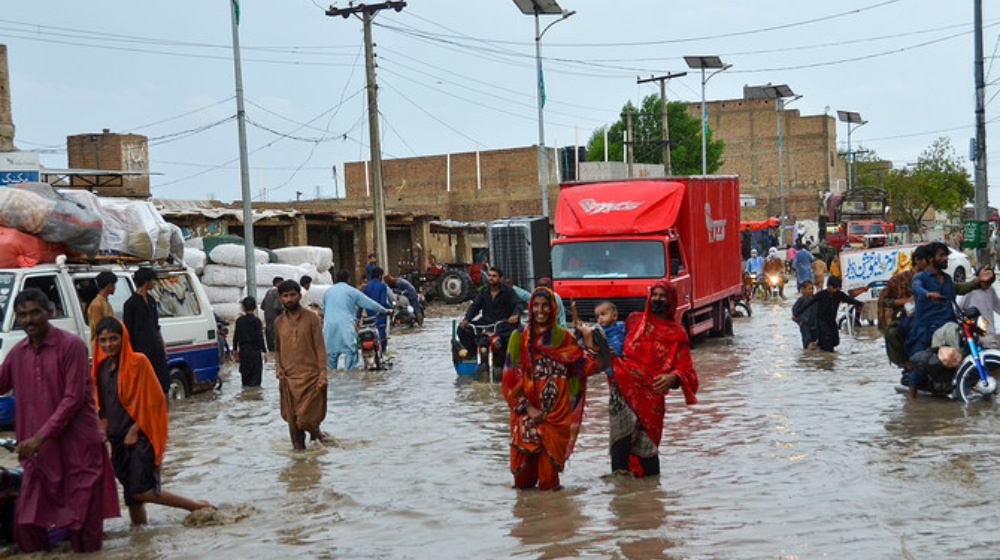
614,239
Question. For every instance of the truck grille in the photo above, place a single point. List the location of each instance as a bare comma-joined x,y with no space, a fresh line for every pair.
585,307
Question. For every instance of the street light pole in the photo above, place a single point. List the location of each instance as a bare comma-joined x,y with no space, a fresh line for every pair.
850,117
536,8
703,62
779,106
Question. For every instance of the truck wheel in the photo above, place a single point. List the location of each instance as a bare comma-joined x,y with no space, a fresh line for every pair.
178,389
454,286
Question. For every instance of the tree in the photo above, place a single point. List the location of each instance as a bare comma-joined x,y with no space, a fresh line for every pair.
685,138
938,180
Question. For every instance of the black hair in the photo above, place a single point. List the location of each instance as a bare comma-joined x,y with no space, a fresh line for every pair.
377,272
277,280
249,303
343,276
497,270
35,295
105,279
108,324
143,275
935,247
834,281
306,279
288,286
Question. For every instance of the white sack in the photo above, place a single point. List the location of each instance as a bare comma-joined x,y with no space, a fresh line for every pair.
235,255
223,294
324,278
220,275
195,259
228,311
320,257
316,292
195,243
266,272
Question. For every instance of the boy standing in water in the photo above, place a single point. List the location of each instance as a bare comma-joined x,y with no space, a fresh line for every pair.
248,344
133,412
806,318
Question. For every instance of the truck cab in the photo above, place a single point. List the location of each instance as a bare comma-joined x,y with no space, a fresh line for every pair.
615,239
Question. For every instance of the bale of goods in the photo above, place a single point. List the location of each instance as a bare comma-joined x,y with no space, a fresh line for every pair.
38,209
23,250
320,257
231,254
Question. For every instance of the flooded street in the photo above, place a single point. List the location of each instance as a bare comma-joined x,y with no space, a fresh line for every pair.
789,454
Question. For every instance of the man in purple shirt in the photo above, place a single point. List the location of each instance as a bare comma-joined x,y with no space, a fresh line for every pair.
68,482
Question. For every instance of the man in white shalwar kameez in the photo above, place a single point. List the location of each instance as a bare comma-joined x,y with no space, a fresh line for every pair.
339,308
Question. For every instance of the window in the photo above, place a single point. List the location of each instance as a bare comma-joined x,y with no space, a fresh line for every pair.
6,293
175,297
86,289
634,258
48,285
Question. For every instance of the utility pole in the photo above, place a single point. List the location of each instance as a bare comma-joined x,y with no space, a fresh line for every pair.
981,185
665,131
241,119
629,140
367,11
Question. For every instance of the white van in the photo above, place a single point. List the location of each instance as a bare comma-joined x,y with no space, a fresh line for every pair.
186,318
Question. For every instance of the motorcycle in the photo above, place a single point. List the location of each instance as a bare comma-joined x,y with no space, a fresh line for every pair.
403,311
371,345
10,487
772,285
490,353
222,335
972,380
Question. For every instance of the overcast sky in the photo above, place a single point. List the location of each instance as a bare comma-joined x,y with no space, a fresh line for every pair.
457,75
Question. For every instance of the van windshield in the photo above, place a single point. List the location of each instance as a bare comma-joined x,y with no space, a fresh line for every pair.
175,297
6,293
635,258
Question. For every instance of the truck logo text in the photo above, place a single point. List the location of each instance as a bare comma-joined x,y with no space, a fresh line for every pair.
716,228
591,206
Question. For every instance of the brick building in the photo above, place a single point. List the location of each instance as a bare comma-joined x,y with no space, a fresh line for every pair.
492,184
120,162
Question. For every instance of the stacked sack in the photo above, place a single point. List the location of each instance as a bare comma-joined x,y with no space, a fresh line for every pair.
224,276
37,223
131,227
318,258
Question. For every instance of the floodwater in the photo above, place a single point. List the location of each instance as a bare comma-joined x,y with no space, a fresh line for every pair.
789,454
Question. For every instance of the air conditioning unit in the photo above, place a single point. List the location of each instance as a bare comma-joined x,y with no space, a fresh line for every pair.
520,248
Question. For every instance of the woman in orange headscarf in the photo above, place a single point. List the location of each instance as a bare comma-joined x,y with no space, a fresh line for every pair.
133,413
545,383
655,359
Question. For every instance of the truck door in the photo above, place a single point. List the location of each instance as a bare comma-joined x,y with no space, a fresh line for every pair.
680,275
66,312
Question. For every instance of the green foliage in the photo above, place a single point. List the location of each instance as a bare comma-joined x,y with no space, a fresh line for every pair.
938,180
685,138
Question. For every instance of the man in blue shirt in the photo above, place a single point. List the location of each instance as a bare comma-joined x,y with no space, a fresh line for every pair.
370,267
803,265
755,263
933,294
378,291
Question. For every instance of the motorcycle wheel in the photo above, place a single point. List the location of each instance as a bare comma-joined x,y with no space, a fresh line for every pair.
967,388
744,308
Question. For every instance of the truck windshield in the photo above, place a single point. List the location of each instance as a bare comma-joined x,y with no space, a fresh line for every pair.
643,258
864,228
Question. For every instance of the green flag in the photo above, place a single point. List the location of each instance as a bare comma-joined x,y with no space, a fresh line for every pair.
541,85
236,8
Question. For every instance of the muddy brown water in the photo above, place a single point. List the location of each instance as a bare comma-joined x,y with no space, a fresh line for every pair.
789,454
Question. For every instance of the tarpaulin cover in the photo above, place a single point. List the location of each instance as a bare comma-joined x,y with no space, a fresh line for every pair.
757,225
618,208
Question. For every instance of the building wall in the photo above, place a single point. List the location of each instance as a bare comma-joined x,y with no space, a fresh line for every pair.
809,155
111,152
507,183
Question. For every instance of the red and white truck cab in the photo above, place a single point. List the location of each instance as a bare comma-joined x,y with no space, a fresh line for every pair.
616,238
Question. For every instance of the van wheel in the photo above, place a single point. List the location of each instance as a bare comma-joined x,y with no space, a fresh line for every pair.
179,388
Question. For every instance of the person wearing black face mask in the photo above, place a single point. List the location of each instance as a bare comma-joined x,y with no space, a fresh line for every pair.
655,359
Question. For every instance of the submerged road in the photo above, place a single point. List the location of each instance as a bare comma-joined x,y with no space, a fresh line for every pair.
789,454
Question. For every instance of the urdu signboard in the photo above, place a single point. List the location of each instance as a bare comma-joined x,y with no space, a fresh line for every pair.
18,167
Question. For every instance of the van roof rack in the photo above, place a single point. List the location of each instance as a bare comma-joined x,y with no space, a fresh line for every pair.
81,262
